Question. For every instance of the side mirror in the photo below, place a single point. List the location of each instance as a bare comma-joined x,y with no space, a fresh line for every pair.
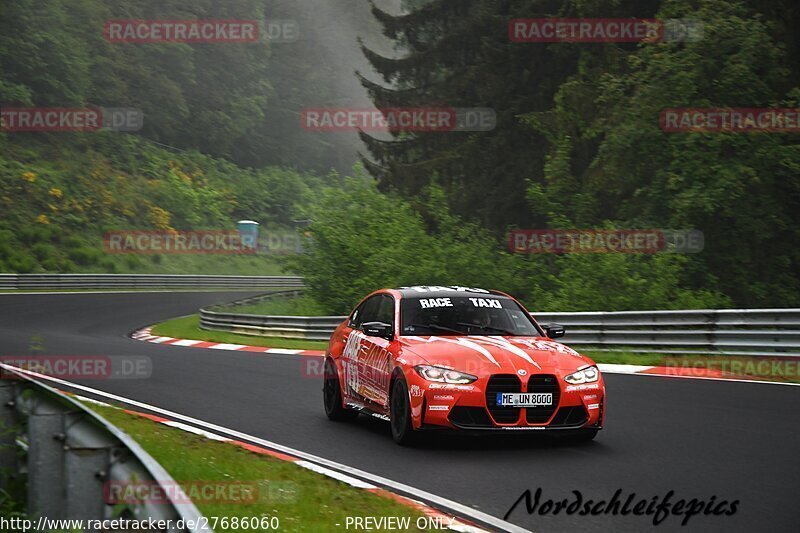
378,329
554,331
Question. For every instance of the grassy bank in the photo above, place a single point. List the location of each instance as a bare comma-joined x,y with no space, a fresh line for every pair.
59,200
232,265
300,499
302,305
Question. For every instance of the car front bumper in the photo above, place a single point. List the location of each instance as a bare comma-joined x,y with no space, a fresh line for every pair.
472,407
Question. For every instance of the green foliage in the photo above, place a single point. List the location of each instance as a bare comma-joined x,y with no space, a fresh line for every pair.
578,142
619,282
362,240
741,190
240,101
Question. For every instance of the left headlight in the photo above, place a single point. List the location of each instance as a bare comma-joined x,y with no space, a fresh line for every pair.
444,375
590,374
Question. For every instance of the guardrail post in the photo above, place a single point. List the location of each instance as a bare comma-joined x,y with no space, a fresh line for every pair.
88,453
713,324
46,436
8,432
601,330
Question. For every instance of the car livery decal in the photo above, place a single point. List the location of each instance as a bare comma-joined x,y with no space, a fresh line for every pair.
486,302
544,345
350,361
460,341
503,343
472,343
426,303
366,367
438,288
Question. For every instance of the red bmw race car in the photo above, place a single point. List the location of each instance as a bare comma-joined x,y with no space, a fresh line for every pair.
459,358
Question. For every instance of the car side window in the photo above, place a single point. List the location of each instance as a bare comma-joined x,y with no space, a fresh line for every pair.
354,317
366,312
385,311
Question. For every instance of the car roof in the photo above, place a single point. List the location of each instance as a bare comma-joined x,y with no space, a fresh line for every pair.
446,291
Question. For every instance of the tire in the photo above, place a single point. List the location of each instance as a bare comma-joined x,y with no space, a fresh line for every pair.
332,395
400,415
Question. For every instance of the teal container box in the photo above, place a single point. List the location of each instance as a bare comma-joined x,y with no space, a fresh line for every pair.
248,231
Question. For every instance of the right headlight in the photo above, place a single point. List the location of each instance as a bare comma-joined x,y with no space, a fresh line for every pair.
589,374
444,375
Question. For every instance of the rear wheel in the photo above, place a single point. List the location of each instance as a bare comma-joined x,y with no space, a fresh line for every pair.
400,414
332,395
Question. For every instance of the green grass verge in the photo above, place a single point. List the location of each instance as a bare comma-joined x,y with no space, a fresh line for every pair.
303,305
302,500
213,264
188,327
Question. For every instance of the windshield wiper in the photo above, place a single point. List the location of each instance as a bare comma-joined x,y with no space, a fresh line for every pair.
437,326
488,328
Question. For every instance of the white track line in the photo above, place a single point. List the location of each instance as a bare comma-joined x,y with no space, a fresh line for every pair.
344,478
439,501
186,342
223,346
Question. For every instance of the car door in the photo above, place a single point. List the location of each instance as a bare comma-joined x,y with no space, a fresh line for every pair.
354,345
365,359
378,357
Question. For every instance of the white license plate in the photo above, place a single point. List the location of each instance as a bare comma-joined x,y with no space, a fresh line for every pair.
524,399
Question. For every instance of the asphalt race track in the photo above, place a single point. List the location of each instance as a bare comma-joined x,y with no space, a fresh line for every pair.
735,441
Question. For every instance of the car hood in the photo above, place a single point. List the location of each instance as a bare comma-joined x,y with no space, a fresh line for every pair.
482,355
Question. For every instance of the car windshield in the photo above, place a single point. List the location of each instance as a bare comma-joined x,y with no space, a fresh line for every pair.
465,315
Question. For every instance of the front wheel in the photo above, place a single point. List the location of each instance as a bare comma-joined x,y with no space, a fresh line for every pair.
400,414
332,395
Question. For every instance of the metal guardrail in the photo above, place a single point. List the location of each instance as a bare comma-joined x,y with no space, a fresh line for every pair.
70,454
714,331
723,331
300,327
144,281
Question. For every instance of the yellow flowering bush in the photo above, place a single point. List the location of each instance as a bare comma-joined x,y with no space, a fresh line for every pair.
160,218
